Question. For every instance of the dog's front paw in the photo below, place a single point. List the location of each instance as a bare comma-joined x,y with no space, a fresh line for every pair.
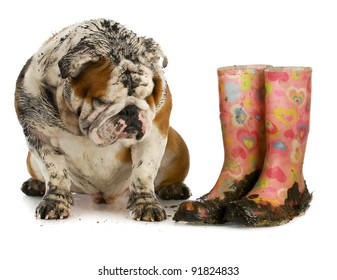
149,212
54,207
145,207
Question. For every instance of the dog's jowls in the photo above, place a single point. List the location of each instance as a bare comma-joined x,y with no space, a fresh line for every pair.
95,108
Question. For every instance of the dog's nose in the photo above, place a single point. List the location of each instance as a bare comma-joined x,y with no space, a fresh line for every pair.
134,126
130,111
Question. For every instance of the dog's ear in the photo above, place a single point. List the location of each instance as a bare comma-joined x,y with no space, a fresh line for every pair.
75,60
153,53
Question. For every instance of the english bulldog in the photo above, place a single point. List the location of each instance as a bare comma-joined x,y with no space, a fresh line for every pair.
95,108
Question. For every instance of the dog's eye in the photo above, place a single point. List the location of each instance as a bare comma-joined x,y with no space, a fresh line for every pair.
98,102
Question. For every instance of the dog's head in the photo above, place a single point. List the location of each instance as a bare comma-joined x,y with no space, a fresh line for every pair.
115,91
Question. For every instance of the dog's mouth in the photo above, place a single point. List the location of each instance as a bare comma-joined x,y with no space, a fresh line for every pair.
130,123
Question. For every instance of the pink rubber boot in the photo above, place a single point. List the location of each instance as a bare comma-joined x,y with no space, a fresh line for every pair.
241,96
281,192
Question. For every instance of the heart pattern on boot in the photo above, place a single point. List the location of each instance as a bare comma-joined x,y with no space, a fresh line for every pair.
286,116
233,168
271,128
248,139
239,152
276,173
297,96
302,130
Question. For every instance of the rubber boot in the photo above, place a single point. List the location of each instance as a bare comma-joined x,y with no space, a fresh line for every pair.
281,192
241,96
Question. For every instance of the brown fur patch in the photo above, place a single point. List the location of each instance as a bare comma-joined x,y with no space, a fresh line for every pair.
176,169
124,155
93,80
157,89
150,101
161,121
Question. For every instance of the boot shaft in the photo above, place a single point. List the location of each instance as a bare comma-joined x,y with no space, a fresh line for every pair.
287,108
241,102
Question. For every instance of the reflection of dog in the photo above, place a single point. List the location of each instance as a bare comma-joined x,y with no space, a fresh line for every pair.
95,108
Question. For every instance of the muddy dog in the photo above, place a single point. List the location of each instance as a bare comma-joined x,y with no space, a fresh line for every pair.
95,108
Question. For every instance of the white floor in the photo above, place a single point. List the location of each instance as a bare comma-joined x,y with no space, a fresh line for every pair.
198,37
104,235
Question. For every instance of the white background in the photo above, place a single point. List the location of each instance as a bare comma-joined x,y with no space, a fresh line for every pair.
199,37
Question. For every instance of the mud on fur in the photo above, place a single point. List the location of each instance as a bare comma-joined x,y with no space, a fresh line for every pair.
94,107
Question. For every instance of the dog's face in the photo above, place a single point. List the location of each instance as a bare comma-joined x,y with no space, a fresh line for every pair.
113,101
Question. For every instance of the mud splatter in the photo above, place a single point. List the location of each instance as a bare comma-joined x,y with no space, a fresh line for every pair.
201,212
250,213
212,211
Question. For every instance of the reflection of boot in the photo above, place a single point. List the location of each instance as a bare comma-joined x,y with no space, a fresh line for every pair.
241,94
280,193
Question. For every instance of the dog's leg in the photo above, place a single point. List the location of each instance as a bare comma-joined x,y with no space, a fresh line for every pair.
146,158
173,169
57,199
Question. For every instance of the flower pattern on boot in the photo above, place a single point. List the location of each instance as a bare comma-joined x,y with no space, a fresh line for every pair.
241,96
281,193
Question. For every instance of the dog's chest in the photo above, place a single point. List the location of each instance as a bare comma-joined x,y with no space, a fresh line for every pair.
95,169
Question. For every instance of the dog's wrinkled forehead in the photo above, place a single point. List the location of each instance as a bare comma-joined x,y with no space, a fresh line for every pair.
105,38
136,79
